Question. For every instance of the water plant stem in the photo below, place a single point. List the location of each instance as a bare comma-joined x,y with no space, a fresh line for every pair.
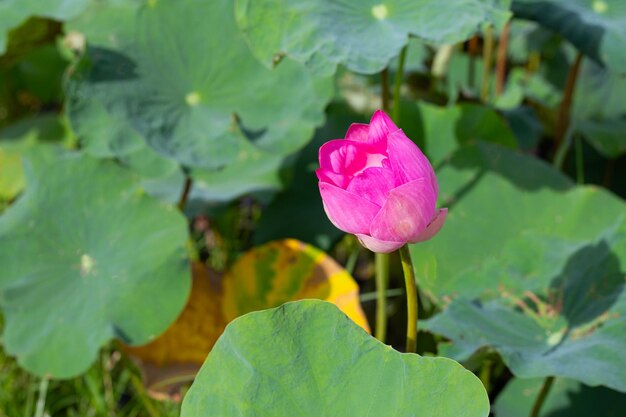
185,194
503,46
580,161
41,400
382,281
487,58
547,384
411,299
565,109
384,81
398,85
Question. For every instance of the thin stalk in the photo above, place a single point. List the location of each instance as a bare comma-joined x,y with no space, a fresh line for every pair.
411,299
41,400
382,281
472,48
149,408
185,194
547,384
608,173
352,259
384,81
397,85
565,109
485,374
580,163
487,58
503,46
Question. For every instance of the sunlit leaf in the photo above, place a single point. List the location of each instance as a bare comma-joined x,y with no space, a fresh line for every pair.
316,362
363,35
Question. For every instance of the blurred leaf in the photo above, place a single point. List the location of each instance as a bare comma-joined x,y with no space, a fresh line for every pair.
286,270
298,212
596,27
252,170
16,141
14,12
525,125
318,362
607,136
365,35
86,257
567,398
208,103
441,130
599,111
12,180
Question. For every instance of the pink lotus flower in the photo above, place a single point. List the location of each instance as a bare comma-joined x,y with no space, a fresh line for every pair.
379,186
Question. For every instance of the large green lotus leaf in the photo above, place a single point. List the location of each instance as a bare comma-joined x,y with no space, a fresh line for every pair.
187,85
596,27
14,12
307,358
86,256
567,398
495,195
363,35
541,259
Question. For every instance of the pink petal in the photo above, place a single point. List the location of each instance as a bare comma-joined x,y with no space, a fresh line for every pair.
342,156
378,246
406,213
373,184
433,227
358,132
348,212
340,180
381,126
408,162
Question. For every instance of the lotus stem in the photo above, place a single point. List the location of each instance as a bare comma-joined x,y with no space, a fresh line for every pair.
411,299
503,46
565,109
185,194
487,58
382,281
547,384
398,85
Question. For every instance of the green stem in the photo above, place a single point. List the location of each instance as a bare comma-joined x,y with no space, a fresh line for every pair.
565,108
382,280
398,85
352,259
547,384
485,374
487,59
384,82
411,299
580,164
185,194
41,400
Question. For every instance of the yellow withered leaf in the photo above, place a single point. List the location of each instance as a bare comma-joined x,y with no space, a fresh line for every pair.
288,270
